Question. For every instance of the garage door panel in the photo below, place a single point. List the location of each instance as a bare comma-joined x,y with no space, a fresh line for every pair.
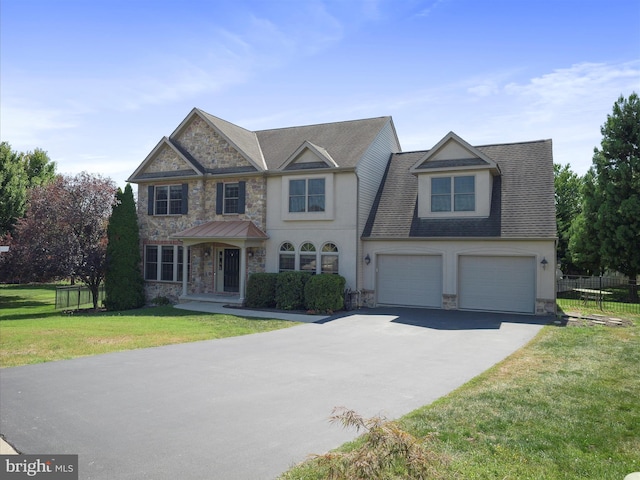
497,283
412,280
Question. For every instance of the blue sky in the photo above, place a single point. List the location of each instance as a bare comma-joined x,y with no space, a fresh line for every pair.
97,83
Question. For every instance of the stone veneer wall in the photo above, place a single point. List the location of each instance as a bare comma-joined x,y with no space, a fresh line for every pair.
166,160
545,306
208,147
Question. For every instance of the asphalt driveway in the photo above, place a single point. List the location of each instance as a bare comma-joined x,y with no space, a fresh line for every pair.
247,407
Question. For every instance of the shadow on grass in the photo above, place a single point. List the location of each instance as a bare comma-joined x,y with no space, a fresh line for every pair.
447,319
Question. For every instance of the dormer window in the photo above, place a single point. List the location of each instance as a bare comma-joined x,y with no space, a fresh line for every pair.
453,193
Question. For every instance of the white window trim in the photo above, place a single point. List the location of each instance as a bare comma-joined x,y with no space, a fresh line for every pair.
155,200
177,267
328,198
224,197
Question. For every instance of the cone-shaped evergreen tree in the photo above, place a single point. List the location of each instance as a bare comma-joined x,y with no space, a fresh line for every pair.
124,286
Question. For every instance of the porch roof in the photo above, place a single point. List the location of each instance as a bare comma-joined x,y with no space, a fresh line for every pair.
228,230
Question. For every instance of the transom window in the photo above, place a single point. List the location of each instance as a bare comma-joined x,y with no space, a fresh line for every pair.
453,193
165,263
307,195
231,197
168,200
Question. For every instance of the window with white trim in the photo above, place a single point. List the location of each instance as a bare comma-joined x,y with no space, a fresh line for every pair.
168,200
453,193
308,257
329,258
231,197
307,195
165,263
287,259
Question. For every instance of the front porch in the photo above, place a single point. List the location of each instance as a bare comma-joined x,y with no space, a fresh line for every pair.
222,298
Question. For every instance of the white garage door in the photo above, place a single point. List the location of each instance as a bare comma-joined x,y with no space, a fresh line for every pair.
412,280
502,284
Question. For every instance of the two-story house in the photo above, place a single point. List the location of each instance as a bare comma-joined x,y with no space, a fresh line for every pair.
453,227
217,202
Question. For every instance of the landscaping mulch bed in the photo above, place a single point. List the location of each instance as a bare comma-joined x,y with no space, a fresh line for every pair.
572,319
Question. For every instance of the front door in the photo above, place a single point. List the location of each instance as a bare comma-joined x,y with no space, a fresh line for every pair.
231,270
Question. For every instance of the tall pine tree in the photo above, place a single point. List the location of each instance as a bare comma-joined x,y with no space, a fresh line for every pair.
124,285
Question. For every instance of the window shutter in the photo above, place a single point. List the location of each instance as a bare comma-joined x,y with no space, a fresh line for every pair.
241,195
151,199
219,197
185,198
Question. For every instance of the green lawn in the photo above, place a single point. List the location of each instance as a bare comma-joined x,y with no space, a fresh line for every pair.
564,407
32,331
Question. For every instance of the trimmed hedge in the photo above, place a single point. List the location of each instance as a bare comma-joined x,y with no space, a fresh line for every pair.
261,290
290,290
325,293
296,291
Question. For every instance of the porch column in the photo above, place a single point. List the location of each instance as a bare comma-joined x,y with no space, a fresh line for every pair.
243,271
185,268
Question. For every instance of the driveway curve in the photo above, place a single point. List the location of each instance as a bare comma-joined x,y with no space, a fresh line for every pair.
247,407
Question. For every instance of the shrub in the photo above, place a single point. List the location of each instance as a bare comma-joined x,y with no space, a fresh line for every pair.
261,290
385,451
290,290
324,293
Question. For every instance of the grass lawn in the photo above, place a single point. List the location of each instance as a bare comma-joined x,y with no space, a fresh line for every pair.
32,331
566,406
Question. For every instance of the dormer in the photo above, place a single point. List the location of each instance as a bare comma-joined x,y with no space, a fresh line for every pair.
308,156
455,180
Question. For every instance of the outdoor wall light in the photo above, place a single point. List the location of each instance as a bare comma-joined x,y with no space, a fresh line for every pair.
544,263
367,259
206,253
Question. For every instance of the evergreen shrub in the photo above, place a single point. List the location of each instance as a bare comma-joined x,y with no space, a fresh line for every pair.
261,290
325,293
290,290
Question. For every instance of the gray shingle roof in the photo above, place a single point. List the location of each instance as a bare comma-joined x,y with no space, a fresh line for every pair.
346,142
522,205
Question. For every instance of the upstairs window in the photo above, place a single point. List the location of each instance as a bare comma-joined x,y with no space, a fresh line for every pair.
453,194
230,198
168,199
307,195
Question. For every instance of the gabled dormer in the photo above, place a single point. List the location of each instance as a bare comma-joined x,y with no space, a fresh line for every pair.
455,180
308,156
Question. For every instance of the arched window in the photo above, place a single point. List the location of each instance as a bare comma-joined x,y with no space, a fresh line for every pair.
287,257
308,257
329,256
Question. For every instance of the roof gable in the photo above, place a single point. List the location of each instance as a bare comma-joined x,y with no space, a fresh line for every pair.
308,155
241,140
165,161
453,153
345,143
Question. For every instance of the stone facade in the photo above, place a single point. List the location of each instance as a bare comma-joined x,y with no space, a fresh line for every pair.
449,301
545,306
208,147
167,160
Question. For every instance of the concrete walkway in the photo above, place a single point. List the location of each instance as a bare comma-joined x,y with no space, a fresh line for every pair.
247,407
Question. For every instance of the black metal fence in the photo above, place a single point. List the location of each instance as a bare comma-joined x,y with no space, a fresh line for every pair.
614,294
76,296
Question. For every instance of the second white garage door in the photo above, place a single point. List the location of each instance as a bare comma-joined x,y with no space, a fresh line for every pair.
412,280
496,283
